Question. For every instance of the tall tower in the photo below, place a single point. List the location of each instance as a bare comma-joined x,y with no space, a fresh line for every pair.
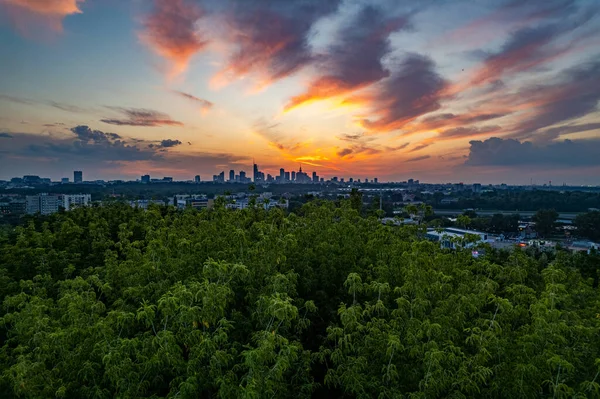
78,176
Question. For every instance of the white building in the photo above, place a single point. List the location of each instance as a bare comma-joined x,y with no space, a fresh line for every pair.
76,200
450,237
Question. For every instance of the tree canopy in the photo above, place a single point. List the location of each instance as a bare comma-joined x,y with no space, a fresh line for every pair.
115,301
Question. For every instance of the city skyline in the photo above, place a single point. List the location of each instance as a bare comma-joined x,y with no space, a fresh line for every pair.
492,92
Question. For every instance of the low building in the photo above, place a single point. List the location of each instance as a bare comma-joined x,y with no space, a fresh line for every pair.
145,204
451,237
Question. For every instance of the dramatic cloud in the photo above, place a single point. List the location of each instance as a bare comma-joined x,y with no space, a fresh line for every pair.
509,152
575,94
454,120
50,12
171,32
141,117
204,105
354,60
414,90
270,38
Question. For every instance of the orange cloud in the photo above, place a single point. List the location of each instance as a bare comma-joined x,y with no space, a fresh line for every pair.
24,13
354,61
170,32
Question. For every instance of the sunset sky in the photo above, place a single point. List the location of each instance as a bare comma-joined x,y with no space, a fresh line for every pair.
442,90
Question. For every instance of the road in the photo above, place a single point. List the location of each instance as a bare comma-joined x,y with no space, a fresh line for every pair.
454,212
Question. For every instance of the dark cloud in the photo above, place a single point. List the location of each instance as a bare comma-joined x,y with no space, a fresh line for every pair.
102,153
509,152
530,47
555,132
414,90
53,124
346,151
168,143
399,147
420,147
271,36
204,105
354,60
55,104
85,134
141,117
458,120
420,158
171,32
461,132
6,136
575,93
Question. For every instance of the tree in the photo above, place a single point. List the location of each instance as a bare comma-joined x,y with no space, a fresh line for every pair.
356,199
545,220
588,225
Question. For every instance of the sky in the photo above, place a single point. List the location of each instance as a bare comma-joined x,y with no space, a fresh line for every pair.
489,91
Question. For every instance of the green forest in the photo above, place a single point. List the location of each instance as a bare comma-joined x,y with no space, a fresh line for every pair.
114,301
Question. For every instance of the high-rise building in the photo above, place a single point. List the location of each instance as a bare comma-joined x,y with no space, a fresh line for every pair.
74,200
64,180
411,181
231,176
146,179
197,179
375,180
351,180
293,175
42,203
315,178
258,175
221,178
243,178
78,176
287,176
281,175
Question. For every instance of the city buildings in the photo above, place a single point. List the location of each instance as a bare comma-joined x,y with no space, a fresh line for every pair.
197,179
78,176
146,179
47,204
70,201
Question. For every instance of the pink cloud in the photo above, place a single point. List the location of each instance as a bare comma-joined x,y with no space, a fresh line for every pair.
170,32
25,14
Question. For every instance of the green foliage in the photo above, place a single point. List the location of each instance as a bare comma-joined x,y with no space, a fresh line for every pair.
588,225
119,302
545,221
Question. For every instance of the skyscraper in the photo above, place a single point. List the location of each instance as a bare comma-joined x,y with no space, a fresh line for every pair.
293,175
146,179
257,174
78,176
287,176
315,178
281,175
197,179
231,176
